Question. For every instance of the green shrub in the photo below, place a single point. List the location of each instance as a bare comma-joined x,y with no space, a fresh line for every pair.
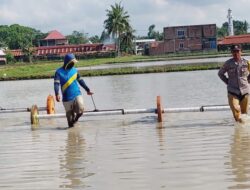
10,58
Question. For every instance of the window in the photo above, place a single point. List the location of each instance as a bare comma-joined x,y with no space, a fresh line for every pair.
180,33
181,45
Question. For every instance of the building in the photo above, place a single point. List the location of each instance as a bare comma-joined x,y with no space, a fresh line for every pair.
55,46
60,51
56,52
54,38
142,45
186,39
226,42
2,58
63,50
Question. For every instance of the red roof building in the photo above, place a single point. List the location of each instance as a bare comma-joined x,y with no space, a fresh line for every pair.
239,39
55,51
243,40
55,35
56,45
54,38
63,50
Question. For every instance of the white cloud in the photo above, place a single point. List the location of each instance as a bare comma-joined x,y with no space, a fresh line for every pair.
88,16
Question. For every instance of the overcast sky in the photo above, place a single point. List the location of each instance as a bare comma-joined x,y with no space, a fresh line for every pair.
88,15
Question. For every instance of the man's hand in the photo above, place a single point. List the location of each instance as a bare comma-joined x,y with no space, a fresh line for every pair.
58,98
90,93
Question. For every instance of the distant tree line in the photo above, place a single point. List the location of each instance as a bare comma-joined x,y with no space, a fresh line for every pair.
20,37
117,29
240,27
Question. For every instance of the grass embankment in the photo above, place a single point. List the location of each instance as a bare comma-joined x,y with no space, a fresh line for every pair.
46,69
151,69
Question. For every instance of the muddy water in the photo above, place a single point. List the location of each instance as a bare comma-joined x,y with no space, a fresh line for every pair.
190,151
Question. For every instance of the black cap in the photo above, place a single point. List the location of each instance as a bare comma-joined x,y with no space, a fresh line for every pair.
235,48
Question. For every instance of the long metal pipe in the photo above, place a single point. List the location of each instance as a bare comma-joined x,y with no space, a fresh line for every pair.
138,111
102,112
196,109
15,110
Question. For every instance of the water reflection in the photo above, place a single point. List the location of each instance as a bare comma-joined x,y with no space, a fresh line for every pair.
72,162
125,152
161,134
240,158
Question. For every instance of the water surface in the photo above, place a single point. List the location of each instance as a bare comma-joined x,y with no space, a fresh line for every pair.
190,151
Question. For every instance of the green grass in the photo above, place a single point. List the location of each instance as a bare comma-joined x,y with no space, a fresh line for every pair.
151,69
46,69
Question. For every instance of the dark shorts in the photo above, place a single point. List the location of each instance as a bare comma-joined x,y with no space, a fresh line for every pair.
240,97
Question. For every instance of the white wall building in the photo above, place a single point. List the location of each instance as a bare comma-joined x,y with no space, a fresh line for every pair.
2,57
140,45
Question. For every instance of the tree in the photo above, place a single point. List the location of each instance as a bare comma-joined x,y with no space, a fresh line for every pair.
77,38
28,52
117,23
152,34
223,31
95,39
127,39
20,37
2,44
151,31
240,27
10,58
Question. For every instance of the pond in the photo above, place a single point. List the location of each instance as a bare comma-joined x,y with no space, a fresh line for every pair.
191,150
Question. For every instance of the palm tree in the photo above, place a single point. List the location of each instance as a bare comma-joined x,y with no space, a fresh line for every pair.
117,23
126,40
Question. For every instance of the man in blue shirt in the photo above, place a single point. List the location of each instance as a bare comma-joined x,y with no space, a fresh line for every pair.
68,77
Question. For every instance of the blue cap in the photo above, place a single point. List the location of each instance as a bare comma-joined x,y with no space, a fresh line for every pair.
69,58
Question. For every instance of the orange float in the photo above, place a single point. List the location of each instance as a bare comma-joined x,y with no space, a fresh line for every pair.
33,115
50,105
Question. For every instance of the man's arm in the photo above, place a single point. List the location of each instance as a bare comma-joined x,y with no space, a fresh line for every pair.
222,72
82,83
57,86
248,65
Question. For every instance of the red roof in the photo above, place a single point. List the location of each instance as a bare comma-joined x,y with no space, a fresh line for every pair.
62,50
55,35
240,39
70,46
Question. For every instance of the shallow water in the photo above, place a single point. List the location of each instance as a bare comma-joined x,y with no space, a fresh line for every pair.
187,151
160,63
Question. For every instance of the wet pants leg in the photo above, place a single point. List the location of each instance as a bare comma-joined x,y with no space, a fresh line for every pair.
70,118
244,104
238,106
74,110
78,107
